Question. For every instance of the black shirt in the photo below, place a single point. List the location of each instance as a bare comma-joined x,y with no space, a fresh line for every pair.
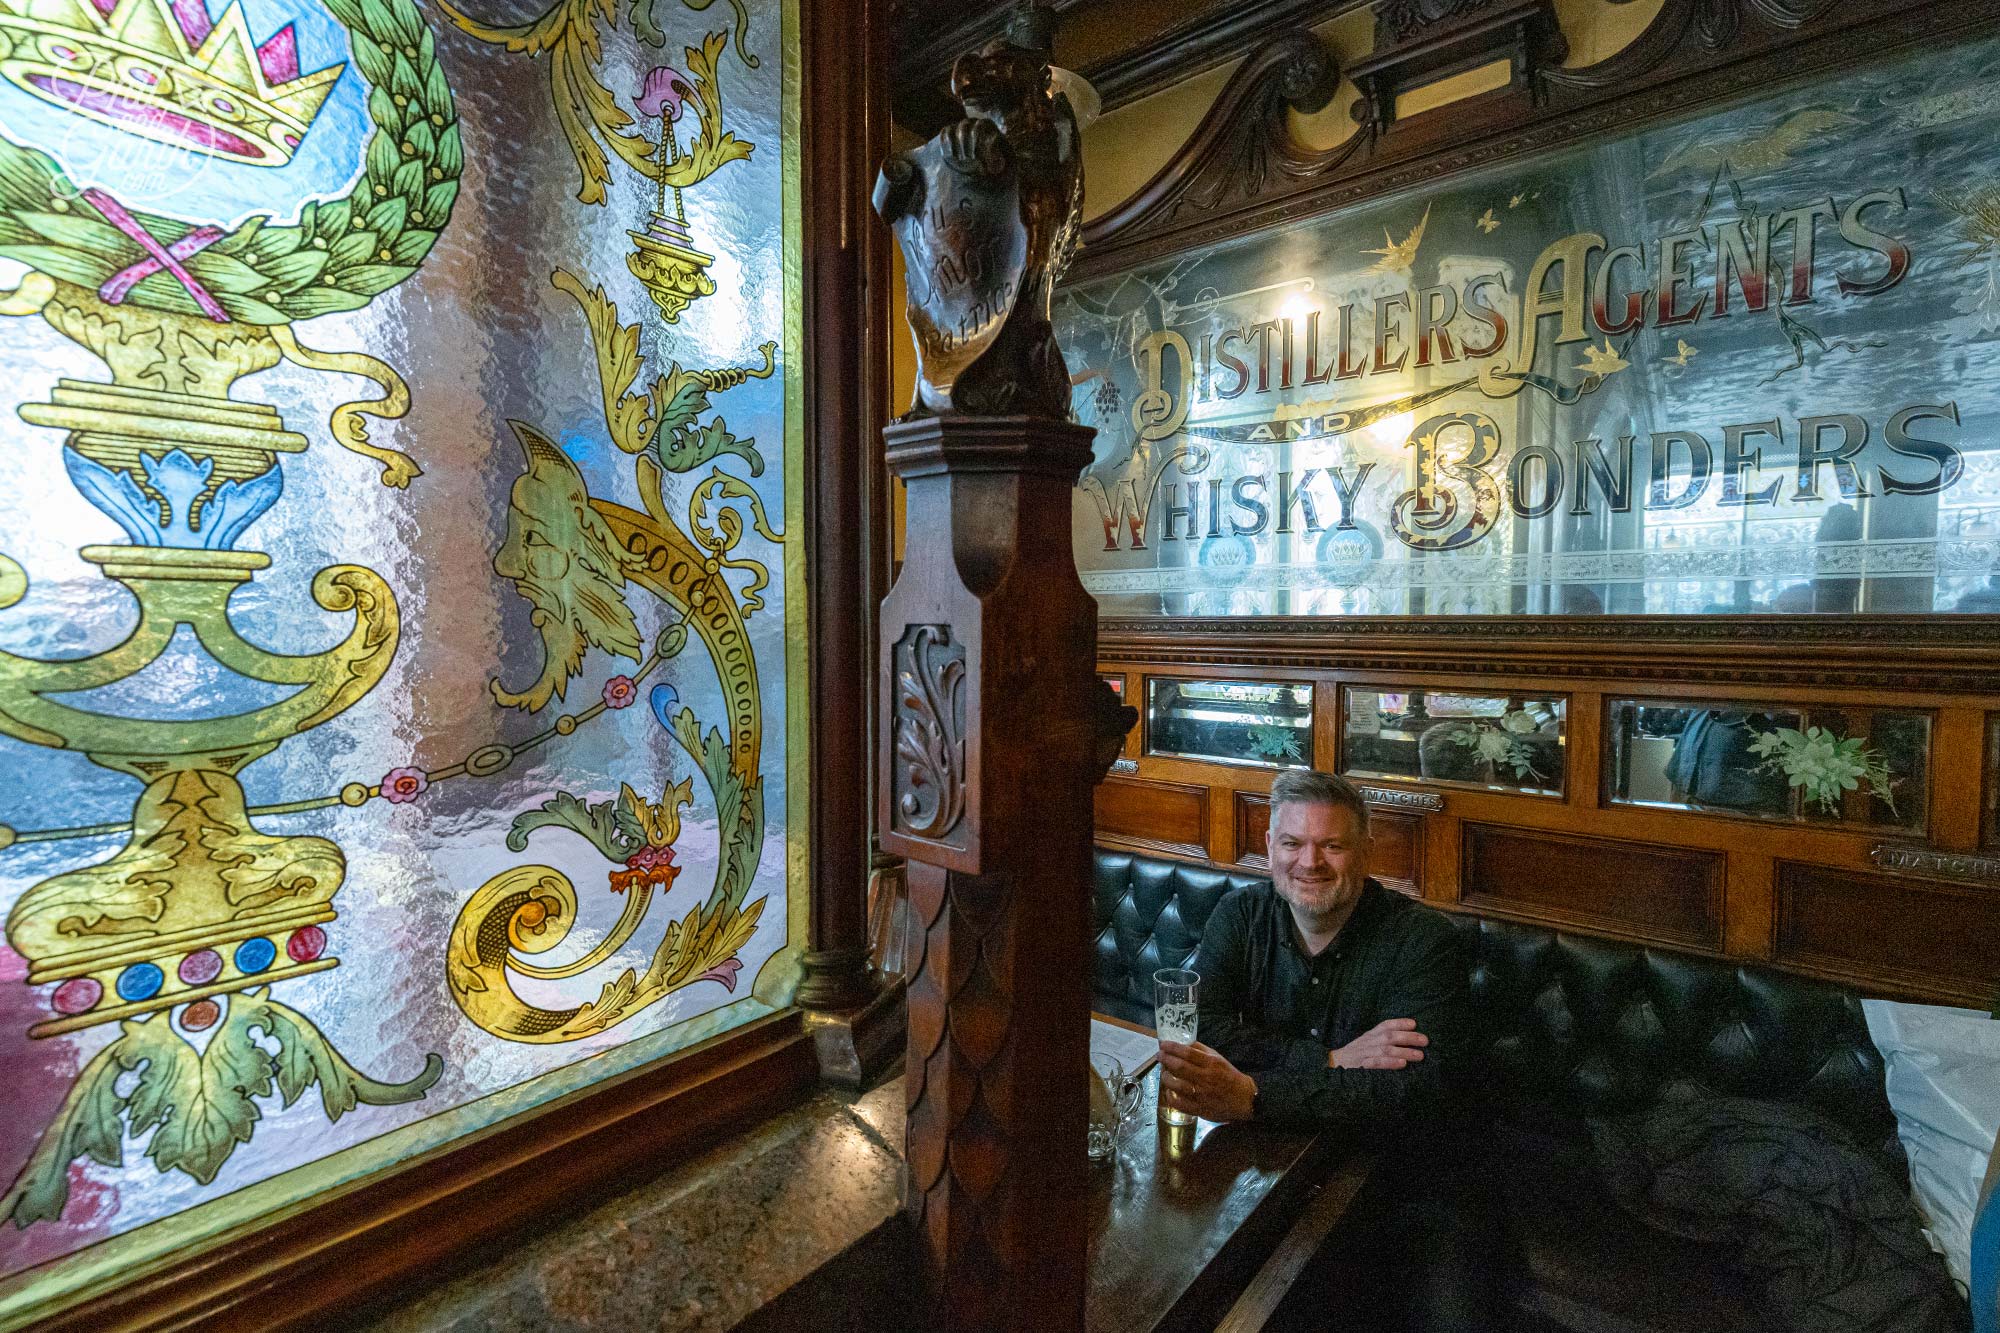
1274,1012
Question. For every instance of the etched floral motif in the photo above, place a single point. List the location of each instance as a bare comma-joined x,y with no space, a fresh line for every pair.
400,786
1824,766
1502,745
662,93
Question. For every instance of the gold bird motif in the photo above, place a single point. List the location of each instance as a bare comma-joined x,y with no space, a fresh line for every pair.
1602,360
1758,152
1397,256
1487,222
1978,218
1684,351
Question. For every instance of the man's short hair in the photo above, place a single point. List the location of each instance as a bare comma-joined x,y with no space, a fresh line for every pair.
1307,786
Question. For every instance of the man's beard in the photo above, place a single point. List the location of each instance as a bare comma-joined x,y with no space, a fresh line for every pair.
1321,896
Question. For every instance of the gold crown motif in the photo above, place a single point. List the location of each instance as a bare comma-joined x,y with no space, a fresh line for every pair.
197,905
161,69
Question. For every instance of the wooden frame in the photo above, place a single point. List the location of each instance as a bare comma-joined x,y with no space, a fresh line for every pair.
1948,668
367,1242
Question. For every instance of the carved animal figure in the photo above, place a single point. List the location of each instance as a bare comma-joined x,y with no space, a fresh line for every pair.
988,214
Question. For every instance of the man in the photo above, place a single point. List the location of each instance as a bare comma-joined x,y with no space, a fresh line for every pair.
1329,1001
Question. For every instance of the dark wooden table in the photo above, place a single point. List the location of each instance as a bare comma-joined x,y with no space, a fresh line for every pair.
1181,1223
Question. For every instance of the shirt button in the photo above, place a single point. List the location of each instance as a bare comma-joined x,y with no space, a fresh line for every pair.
1315,1032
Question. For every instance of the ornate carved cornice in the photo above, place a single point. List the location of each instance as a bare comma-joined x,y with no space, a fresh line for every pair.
1695,53
1948,655
928,35
1243,150
1421,41
1199,43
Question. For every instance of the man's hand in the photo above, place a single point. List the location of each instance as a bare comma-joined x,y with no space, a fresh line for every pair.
1394,1043
1193,1078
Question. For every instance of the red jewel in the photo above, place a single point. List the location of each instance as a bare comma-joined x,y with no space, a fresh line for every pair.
78,995
306,944
201,1014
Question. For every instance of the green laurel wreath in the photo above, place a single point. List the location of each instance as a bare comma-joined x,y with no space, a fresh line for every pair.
341,254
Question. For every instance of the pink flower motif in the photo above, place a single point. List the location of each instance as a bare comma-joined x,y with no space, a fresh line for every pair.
724,972
403,785
620,692
663,93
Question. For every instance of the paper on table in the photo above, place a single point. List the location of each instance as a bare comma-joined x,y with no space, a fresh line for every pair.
1135,1050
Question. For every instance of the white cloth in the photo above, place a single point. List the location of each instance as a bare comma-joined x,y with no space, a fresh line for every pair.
1944,1085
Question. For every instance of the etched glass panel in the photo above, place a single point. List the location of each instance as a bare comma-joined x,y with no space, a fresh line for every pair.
1229,721
1745,362
1504,742
1822,764
398,534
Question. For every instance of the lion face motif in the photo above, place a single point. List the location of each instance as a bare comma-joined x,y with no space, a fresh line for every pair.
560,555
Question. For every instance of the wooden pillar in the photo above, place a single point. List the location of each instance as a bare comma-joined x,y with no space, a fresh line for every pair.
993,716
846,132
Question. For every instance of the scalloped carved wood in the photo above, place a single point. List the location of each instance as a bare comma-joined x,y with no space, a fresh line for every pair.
997,729
1243,169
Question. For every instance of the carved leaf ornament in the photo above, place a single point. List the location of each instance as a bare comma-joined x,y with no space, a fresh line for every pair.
930,741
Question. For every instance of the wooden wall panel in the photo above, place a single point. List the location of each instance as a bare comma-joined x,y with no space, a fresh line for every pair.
1398,859
1922,937
1253,830
1591,882
1399,850
1170,817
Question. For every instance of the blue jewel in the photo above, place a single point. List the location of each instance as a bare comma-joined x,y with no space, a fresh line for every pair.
141,981
255,955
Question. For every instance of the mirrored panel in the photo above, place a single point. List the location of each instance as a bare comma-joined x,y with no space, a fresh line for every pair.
1229,721
1821,764
1619,376
1505,742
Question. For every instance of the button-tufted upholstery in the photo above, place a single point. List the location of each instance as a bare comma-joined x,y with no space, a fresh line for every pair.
1149,914
1580,1026
1571,1026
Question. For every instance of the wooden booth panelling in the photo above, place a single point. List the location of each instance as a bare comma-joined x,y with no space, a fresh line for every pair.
1583,814
1911,912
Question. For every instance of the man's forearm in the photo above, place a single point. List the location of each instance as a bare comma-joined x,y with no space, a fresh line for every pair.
1248,1046
1360,1098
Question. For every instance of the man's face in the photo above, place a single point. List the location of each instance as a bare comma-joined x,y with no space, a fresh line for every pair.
1319,856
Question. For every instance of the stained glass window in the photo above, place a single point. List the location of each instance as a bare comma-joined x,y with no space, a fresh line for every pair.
399,523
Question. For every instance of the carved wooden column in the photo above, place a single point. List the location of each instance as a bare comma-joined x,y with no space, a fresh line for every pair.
847,307
995,725
991,698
